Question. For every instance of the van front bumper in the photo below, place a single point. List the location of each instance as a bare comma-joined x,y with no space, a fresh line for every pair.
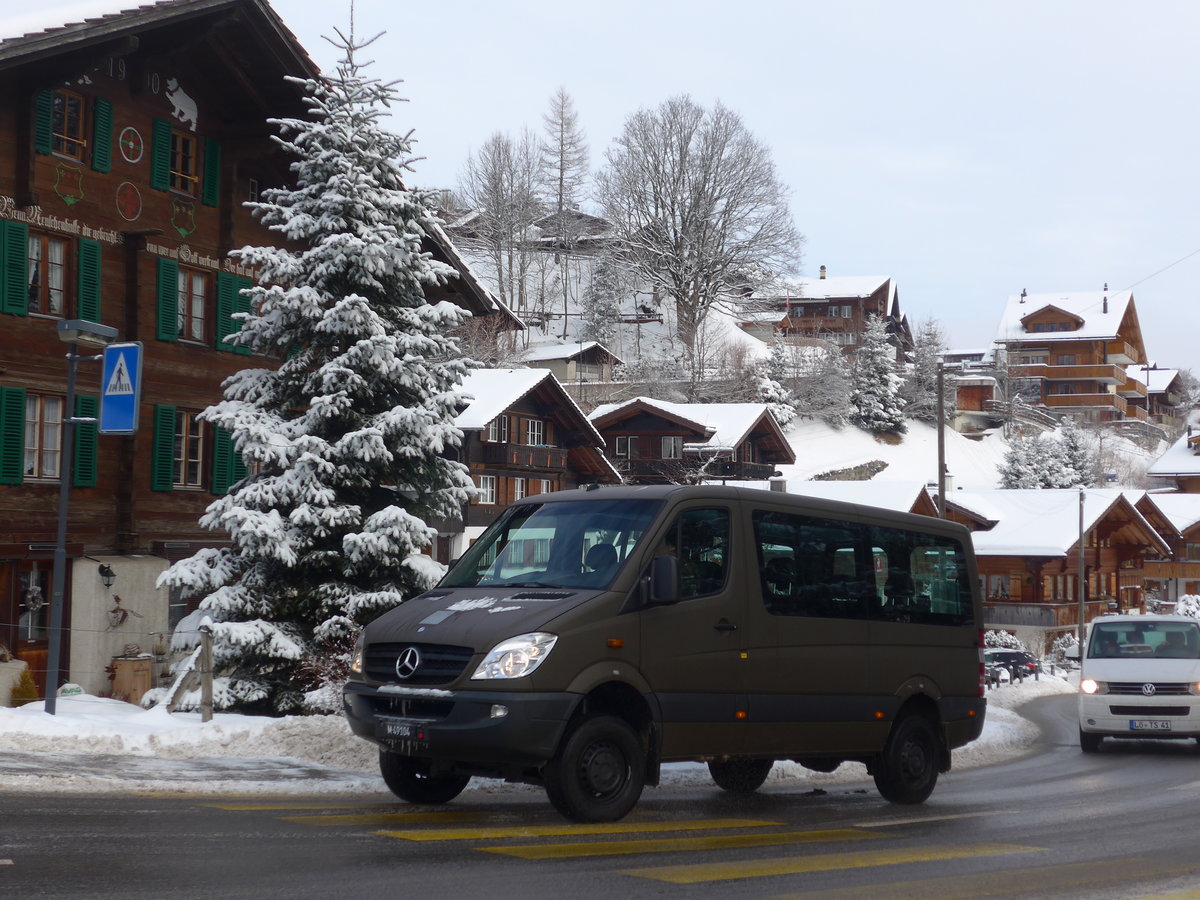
483,728
1132,716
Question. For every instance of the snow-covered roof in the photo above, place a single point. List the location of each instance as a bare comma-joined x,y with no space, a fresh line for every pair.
1087,305
1042,523
1181,510
495,390
727,424
834,288
545,352
1157,381
1180,459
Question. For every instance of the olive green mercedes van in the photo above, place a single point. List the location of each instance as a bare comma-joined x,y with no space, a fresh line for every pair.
590,636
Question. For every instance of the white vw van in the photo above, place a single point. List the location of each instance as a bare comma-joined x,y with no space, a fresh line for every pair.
1140,679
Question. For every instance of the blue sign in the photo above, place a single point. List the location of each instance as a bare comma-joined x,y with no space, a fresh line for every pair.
121,388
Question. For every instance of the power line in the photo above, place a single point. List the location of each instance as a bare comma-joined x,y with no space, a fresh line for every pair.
1164,268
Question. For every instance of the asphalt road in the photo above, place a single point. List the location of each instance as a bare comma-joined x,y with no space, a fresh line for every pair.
1121,823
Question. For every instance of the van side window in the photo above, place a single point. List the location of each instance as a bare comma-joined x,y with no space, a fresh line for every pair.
700,539
811,566
919,578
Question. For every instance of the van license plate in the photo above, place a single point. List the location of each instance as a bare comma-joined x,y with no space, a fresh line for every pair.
1149,725
395,729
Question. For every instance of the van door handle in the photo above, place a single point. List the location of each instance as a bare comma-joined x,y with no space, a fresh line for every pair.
725,625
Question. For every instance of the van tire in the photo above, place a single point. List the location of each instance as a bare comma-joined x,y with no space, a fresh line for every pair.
1089,742
598,772
907,770
409,779
740,776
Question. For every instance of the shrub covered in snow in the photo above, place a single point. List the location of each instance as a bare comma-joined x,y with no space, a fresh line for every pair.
1188,605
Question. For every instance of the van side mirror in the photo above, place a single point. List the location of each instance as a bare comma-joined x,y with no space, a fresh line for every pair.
664,581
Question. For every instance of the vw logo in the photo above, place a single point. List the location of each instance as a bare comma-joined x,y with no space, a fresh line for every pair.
1148,689
409,661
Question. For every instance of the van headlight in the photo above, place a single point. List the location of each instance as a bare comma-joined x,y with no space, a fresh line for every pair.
1091,686
356,657
516,657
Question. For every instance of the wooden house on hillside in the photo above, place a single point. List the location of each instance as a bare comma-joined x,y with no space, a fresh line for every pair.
1179,467
129,145
1177,518
658,442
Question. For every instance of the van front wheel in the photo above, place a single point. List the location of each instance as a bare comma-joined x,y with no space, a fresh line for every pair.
907,770
409,779
1089,742
599,771
740,776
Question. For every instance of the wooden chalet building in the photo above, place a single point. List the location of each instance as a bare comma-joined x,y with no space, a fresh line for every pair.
658,442
128,146
1179,467
523,435
1177,518
1164,393
834,310
1077,354
578,363
1027,547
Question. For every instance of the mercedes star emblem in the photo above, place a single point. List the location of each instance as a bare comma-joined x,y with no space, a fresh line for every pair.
408,662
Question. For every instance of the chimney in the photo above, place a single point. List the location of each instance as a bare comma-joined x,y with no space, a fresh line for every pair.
1105,309
822,273
1023,295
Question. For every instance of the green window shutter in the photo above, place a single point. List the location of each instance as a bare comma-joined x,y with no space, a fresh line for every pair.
227,305
12,435
160,155
102,123
162,464
210,190
83,464
167,326
227,468
241,303
43,117
89,280
14,268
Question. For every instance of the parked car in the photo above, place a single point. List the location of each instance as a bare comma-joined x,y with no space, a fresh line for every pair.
1019,663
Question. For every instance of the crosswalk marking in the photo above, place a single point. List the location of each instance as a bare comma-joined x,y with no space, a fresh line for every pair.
671,845
799,865
567,830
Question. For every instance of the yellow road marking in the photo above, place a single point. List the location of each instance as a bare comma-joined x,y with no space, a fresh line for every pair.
920,820
431,818
1034,881
800,865
565,830
670,845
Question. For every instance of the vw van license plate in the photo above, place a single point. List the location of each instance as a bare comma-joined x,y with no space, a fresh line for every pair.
1149,725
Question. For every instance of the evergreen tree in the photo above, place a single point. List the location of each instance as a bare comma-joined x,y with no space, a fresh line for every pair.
602,300
1078,458
1031,463
823,391
921,382
342,440
875,395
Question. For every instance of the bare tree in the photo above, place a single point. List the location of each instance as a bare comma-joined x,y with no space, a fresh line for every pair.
564,161
696,199
919,390
500,183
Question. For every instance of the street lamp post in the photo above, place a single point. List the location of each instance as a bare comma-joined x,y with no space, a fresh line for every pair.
92,334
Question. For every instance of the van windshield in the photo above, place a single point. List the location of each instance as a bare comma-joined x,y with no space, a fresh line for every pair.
1128,640
574,544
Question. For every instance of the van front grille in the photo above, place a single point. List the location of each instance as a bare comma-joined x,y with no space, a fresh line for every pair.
439,663
1148,710
1161,688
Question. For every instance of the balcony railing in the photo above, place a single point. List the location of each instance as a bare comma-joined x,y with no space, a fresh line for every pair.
1040,615
686,469
1131,387
524,456
1059,401
1103,373
1121,353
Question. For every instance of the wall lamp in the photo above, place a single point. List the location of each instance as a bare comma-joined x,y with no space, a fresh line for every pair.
107,575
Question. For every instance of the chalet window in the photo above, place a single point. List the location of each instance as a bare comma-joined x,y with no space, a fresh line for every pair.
43,435
178,460
625,446
1033,359
1066,359
547,486
844,311
191,311
66,128
47,273
487,490
519,487
535,432
672,447
183,170
497,430
1067,388
1192,552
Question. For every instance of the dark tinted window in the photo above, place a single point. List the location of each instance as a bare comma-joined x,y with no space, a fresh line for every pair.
699,538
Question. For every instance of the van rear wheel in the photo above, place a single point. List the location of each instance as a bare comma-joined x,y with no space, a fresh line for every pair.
740,776
907,770
409,779
599,771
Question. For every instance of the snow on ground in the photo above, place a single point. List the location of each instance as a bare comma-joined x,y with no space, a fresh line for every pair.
95,744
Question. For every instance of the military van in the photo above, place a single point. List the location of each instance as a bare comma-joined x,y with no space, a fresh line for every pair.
589,636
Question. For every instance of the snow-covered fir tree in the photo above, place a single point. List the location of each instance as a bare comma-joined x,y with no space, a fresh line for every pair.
921,380
875,394
343,440
1028,464
823,389
1078,458
609,284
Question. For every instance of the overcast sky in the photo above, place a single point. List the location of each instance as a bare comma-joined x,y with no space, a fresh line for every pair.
968,150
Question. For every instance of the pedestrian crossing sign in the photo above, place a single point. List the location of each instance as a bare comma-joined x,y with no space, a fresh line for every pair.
121,388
